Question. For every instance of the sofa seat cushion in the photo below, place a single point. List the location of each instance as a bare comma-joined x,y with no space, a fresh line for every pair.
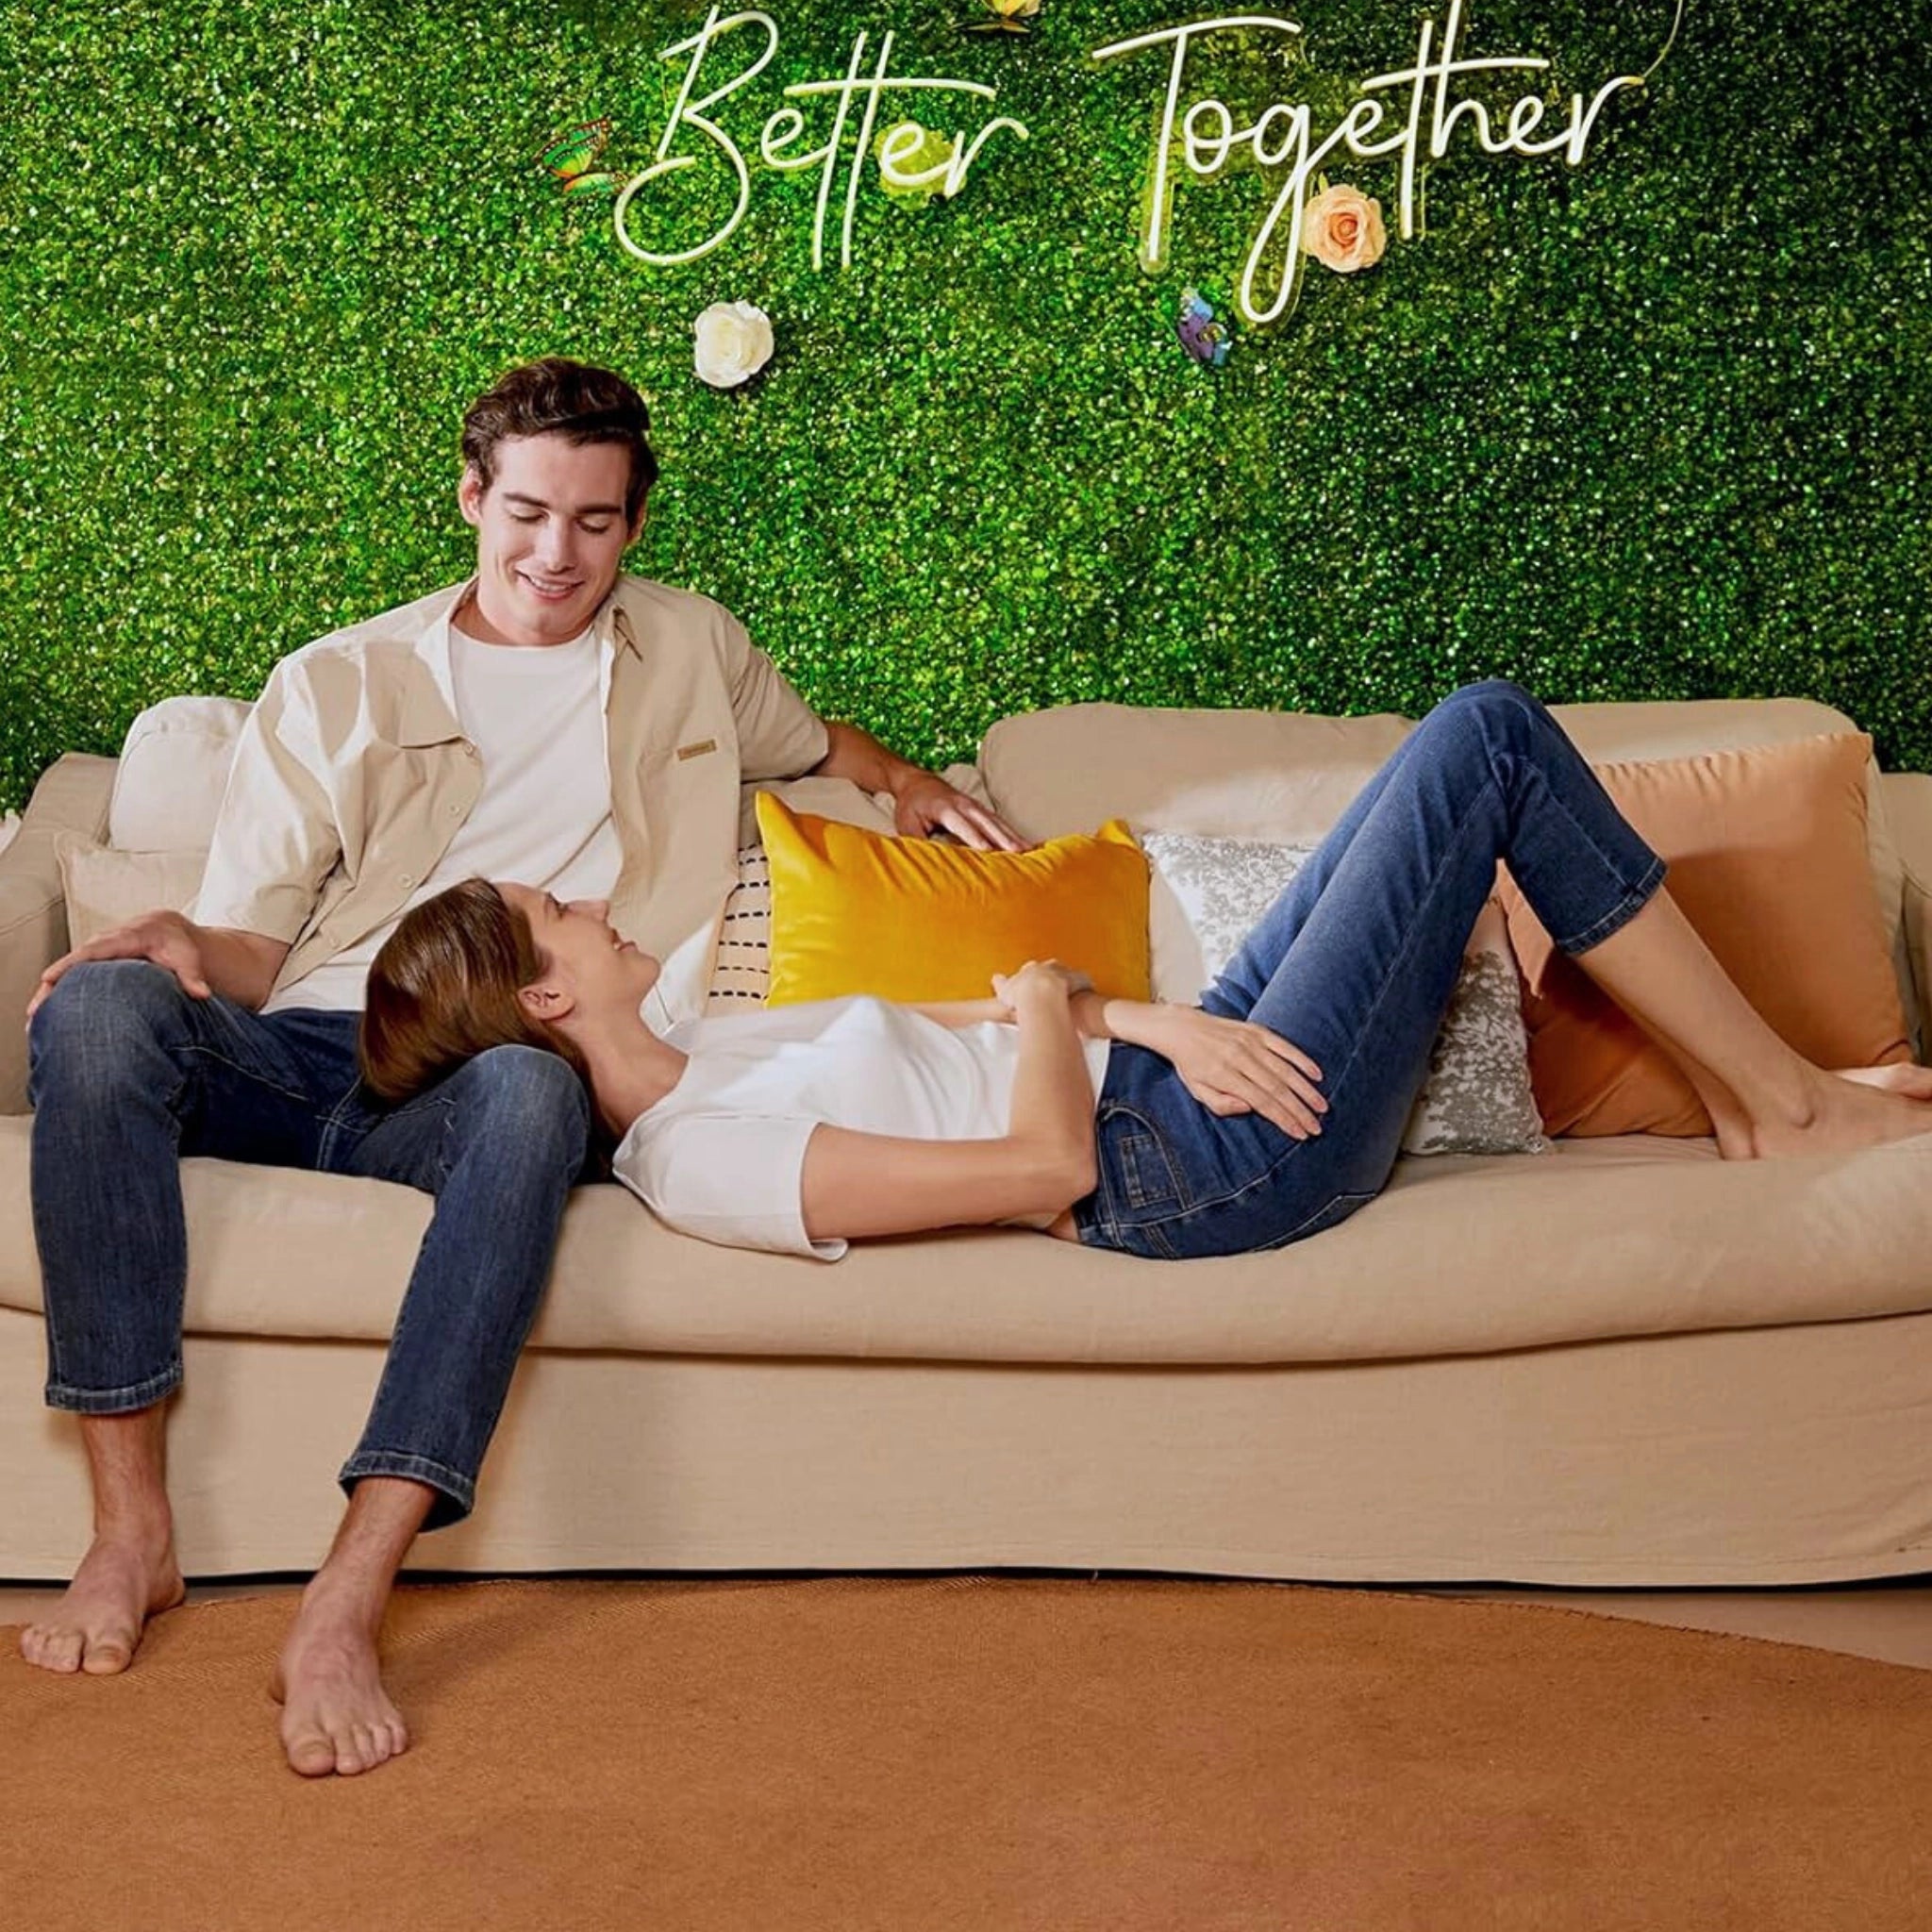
1462,1254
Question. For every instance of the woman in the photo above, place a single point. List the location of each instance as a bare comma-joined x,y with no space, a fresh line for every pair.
1269,1112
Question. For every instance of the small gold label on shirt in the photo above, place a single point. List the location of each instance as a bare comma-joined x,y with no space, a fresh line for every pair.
697,750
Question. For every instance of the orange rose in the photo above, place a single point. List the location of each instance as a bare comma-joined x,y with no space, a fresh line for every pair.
1342,229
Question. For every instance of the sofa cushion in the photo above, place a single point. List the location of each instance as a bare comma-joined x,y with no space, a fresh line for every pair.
1281,776
1206,894
741,972
172,772
914,919
105,886
1767,856
1460,1256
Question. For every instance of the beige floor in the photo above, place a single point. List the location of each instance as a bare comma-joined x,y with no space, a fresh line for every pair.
1890,1621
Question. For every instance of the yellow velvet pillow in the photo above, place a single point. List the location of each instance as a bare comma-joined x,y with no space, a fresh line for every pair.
917,919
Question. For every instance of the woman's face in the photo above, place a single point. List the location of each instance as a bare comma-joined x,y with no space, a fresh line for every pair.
581,951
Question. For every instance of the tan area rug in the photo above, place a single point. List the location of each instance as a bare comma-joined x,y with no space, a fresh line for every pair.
978,1751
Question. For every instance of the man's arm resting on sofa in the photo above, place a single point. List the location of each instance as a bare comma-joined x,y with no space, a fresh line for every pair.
241,966
922,802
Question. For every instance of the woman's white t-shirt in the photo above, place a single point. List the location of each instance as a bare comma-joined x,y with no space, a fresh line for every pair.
722,1155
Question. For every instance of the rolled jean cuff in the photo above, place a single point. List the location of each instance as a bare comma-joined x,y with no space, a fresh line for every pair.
1621,914
455,1493
116,1401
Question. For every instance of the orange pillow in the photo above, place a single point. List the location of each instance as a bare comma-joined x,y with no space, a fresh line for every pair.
1768,860
919,920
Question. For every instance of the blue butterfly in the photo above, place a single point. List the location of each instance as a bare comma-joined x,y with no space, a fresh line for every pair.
1204,338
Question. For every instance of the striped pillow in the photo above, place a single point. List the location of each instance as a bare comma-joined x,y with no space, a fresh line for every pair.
742,975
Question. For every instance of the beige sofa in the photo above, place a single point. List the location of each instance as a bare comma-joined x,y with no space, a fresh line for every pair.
1623,1362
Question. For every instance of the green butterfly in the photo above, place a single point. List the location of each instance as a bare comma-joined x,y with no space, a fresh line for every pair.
569,157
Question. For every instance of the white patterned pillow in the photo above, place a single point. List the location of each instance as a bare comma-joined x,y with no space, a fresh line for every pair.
1207,893
742,974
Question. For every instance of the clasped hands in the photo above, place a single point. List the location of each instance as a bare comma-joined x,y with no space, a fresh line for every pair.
1230,1066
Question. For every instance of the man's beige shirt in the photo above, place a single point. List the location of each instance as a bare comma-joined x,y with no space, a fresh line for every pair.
352,777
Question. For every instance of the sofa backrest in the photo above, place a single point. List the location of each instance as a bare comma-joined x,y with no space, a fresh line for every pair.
1286,777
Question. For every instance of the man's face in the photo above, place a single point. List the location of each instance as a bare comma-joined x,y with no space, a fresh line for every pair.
550,534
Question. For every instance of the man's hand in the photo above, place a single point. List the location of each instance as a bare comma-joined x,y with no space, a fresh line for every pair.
925,803
1235,1066
922,802
165,939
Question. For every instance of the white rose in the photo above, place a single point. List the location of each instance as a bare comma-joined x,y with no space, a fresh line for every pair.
734,342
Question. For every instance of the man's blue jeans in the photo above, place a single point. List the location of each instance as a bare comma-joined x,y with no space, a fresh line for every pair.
127,1074
1355,964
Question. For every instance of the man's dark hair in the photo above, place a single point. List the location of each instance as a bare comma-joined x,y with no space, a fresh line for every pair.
556,397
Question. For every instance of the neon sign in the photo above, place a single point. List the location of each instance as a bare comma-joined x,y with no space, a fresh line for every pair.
1411,113
1283,136
787,126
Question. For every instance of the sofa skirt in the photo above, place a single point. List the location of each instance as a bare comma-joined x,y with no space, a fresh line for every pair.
1788,1455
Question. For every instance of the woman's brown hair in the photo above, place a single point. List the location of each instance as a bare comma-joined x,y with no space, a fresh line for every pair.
444,989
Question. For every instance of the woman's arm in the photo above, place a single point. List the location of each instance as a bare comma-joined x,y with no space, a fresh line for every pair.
959,1012
857,1184
1230,1066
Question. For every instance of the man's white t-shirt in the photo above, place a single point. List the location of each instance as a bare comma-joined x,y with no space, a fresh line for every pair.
535,714
722,1155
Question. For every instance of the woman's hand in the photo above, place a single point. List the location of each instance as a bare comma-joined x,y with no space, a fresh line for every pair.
1039,979
1235,1066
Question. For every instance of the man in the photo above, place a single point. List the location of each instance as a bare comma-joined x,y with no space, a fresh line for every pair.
550,721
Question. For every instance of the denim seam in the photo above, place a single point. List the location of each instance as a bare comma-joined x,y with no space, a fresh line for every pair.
249,1073
1623,910
1626,908
121,1401
460,1489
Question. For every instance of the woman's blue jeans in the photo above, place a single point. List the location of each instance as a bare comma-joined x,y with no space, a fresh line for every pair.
1355,964
128,1075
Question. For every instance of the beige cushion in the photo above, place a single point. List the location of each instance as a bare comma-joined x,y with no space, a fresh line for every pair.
1283,776
1908,808
1461,1255
172,772
105,888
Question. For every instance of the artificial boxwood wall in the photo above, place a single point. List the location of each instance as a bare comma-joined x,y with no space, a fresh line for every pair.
1653,426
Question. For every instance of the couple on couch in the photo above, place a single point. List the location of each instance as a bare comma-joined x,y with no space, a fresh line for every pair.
499,824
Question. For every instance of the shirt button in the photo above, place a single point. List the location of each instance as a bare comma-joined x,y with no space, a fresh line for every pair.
407,878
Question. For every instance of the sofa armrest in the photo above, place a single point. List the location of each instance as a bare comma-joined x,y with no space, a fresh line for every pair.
1909,810
72,796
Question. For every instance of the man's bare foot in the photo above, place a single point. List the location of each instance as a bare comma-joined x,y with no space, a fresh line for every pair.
335,1715
123,1581
1863,1106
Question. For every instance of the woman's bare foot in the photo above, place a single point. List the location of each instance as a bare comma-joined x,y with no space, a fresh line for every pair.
1863,1106
1899,1076
336,1718
124,1579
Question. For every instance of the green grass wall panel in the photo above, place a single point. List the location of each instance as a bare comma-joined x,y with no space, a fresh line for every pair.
1653,426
